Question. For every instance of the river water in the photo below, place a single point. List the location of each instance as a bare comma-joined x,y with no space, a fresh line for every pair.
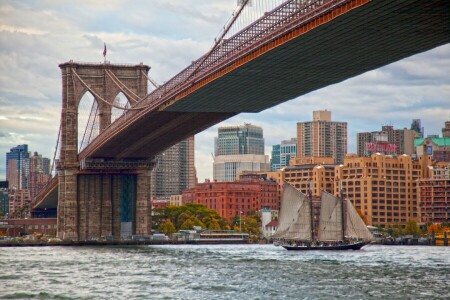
224,272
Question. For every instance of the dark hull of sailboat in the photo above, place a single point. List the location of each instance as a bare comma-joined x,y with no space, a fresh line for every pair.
354,246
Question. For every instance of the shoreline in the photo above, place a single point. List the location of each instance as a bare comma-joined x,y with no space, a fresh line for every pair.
116,243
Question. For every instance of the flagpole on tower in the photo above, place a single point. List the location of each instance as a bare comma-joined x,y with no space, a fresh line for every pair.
104,53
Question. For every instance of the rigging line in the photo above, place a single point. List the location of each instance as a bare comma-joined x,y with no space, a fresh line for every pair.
115,80
218,41
93,123
56,149
83,140
100,98
150,80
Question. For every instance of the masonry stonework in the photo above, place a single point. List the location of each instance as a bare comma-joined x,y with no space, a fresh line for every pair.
89,204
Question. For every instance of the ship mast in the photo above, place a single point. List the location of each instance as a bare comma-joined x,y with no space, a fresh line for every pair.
342,211
311,210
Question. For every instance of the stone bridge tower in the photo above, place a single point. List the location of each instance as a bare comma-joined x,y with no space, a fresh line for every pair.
100,199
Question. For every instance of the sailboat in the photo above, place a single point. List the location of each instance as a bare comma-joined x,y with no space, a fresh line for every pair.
340,226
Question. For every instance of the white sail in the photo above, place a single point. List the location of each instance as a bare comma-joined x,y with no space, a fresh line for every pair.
330,222
295,216
355,227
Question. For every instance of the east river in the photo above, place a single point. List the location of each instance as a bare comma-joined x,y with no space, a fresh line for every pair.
224,272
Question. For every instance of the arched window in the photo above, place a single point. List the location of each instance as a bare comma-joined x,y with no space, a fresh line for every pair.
88,120
120,101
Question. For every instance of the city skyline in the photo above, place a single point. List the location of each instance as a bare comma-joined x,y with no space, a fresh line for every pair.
168,35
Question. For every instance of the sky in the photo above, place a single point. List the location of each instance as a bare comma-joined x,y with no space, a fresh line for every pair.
36,36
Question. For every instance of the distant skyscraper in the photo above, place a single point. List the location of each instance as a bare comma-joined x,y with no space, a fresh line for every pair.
322,137
238,149
246,139
39,173
17,166
417,127
283,153
386,141
175,170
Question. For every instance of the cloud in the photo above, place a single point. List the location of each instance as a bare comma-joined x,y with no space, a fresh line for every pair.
36,36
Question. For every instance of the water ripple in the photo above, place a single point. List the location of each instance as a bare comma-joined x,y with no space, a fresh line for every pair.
223,272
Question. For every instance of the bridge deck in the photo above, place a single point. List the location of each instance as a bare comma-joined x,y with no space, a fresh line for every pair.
362,39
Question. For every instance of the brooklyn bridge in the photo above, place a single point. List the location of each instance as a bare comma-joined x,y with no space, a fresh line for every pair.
299,46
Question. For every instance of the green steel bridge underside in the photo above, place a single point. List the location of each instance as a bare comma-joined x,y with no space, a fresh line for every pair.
364,37
352,39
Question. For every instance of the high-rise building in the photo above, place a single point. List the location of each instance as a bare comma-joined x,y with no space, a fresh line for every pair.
388,141
283,153
434,195
322,137
245,139
382,187
19,203
174,170
17,167
417,127
239,149
39,173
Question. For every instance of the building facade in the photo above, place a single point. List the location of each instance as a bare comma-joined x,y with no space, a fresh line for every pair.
446,130
19,203
416,125
436,147
382,187
316,177
245,139
239,149
231,199
228,167
322,137
388,141
39,173
283,153
434,195
17,167
174,170
4,202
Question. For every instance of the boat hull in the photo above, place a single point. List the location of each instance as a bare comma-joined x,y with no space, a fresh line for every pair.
354,246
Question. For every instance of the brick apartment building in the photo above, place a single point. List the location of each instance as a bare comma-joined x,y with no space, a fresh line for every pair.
231,199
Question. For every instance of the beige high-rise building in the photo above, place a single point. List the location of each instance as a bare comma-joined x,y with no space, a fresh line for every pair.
434,194
322,137
383,187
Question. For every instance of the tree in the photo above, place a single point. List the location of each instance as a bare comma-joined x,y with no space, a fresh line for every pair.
199,215
167,227
434,228
250,225
412,228
187,225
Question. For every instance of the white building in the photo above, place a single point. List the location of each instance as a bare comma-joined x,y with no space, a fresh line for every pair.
228,167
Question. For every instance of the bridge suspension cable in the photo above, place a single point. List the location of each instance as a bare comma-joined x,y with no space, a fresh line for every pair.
123,87
97,96
89,126
55,154
150,80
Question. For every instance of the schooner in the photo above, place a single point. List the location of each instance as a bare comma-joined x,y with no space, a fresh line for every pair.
340,226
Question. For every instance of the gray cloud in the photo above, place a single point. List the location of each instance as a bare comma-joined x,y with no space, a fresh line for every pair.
166,34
